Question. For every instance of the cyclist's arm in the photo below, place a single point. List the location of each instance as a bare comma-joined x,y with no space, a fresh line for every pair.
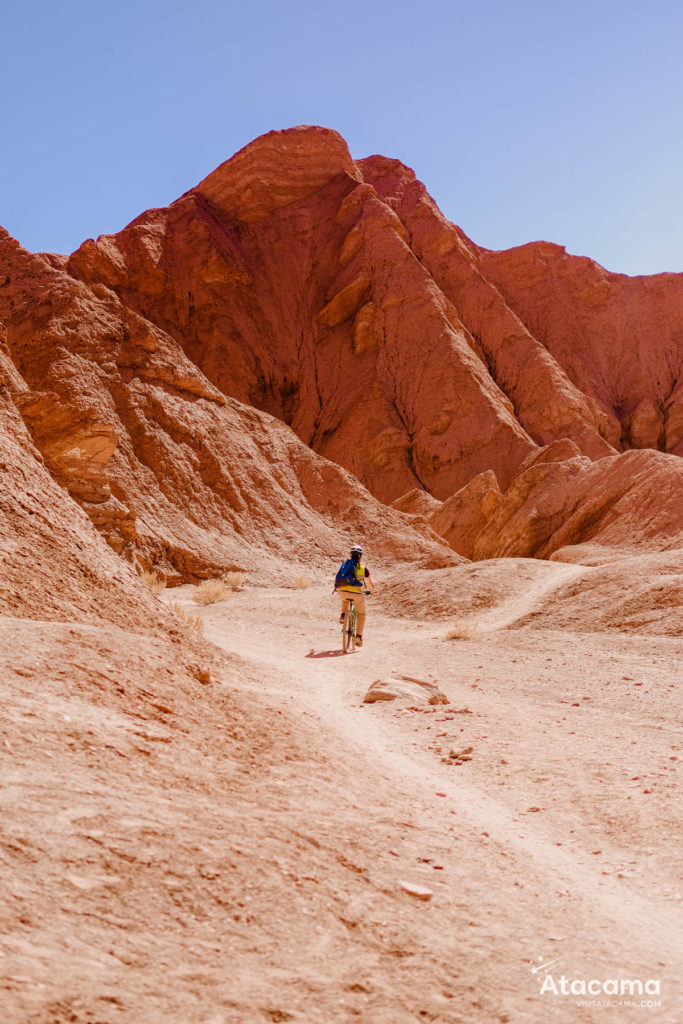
369,583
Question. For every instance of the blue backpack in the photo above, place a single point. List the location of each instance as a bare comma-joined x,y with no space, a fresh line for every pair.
347,574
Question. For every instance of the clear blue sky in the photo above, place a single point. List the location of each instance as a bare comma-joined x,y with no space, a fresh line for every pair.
526,120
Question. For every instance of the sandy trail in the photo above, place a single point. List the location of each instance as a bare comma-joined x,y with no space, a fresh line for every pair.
555,575
546,814
234,853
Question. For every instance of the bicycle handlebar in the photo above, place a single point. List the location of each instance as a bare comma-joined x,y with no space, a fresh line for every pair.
351,593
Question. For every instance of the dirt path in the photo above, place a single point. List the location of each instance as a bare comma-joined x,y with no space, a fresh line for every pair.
237,853
567,811
556,575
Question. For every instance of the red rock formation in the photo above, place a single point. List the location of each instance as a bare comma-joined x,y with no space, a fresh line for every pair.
563,506
463,516
622,503
619,339
416,502
314,308
579,351
543,399
169,470
54,564
334,296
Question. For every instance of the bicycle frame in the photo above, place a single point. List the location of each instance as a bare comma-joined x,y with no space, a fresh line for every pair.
349,624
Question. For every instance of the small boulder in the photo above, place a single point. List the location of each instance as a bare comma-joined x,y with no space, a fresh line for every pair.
406,688
461,755
419,892
201,673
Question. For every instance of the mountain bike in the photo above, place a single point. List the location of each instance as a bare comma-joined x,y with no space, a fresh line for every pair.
349,626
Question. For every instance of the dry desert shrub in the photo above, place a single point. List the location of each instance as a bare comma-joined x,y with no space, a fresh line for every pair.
461,631
194,621
303,582
234,580
153,580
211,591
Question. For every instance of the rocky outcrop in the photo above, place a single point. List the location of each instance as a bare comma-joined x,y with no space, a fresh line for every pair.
562,505
416,502
617,338
331,294
462,517
544,399
628,502
77,447
278,169
317,311
171,472
55,566
405,688
335,296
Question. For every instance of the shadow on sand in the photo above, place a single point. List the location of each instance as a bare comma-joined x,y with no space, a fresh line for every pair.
326,654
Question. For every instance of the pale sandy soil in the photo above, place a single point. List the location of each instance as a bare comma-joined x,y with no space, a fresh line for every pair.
235,852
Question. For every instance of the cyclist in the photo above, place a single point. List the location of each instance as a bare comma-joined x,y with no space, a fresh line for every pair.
351,581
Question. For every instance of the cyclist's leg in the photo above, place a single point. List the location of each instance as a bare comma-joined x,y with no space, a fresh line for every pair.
344,604
360,608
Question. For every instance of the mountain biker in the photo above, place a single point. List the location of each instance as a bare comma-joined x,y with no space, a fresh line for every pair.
350,581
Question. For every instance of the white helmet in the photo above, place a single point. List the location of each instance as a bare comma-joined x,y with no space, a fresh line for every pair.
357,548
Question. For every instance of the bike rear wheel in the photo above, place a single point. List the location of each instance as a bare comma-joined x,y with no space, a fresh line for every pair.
349,630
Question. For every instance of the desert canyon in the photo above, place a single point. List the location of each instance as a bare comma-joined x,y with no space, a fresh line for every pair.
202,820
